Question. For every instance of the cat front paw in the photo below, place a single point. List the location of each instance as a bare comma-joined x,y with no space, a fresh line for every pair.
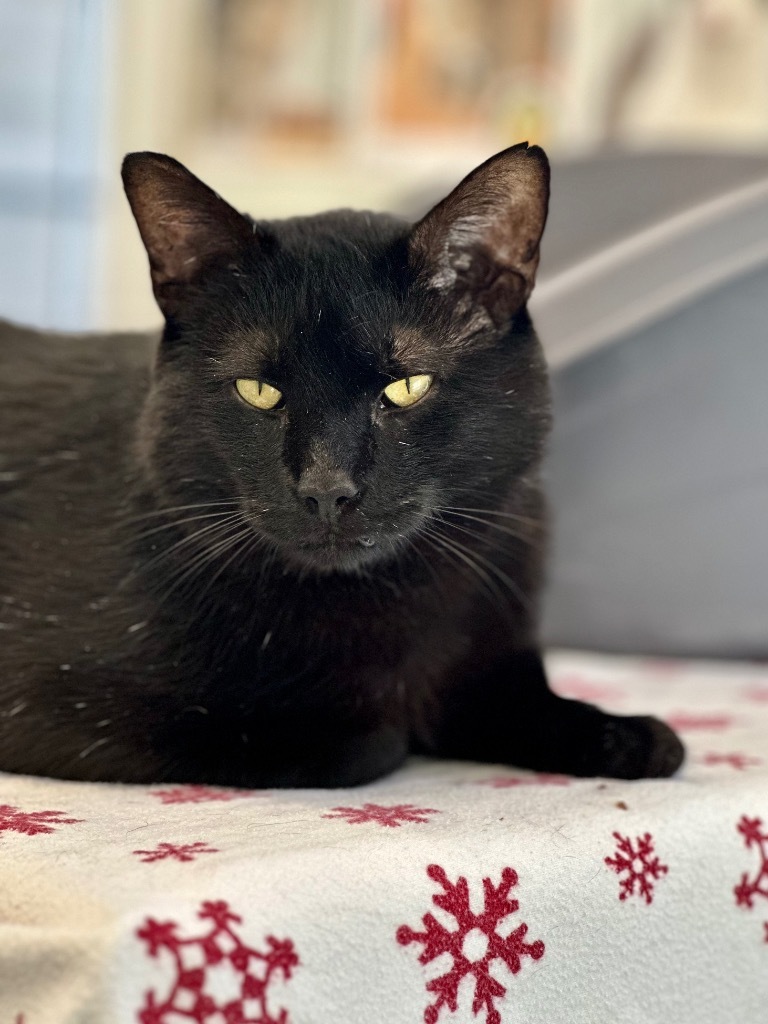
639,748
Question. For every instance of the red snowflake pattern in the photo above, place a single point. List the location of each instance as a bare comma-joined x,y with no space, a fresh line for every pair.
754,832
758,694
197,794
390,817
32,823
473,946
685,722
539,779
663,667
164,851
579,687
218,953
641,868
739,762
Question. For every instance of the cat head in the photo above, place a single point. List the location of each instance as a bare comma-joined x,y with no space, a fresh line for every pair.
342,378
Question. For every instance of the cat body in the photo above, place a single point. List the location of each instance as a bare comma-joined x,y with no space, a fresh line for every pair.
228,556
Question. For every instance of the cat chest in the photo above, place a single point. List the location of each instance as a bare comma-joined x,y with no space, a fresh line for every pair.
379,660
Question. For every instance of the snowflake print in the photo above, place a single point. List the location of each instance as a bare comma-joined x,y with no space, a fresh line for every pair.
758,694
164,851
663,667
754,832
197,794
685,722
473,946
32,823
390,817
217,958
739,762
539,779
580,688
641,868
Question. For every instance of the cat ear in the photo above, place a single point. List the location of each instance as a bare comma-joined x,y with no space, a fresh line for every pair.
481,243
183,223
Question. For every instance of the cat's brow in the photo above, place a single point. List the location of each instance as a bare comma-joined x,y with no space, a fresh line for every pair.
253,347
411,348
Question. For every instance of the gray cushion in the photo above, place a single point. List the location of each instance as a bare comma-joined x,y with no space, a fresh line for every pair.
658,473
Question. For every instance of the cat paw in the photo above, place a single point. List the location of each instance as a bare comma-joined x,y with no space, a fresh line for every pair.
639,748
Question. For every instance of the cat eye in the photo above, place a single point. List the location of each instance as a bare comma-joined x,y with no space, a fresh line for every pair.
258,393
408,391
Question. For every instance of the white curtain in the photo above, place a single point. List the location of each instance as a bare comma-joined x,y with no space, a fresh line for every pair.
53,55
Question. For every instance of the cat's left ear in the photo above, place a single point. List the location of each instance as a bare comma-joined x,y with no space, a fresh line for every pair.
481,243
183,223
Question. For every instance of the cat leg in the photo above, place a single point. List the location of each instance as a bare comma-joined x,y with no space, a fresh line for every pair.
306,757
512,717
349,761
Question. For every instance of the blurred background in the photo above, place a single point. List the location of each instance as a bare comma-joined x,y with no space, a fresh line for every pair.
291,106
652,298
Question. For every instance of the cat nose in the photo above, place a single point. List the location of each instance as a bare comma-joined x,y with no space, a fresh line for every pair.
327,495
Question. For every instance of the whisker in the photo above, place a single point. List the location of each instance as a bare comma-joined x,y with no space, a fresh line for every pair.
175,522
179,508
209,555
417,550
465,556
490,512
228,520
243,552
525,538
432,540
492,567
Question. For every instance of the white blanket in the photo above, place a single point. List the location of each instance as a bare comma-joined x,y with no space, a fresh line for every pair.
446,893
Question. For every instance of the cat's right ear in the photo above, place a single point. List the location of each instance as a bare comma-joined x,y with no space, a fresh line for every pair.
183,223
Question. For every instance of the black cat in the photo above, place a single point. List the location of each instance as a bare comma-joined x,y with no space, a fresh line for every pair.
308,539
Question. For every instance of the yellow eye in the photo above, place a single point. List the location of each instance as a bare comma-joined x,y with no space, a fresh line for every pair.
409,390
258,394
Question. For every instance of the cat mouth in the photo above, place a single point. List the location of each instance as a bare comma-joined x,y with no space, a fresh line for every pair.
334,553
335,544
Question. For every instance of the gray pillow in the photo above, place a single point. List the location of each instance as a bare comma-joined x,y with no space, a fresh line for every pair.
654,315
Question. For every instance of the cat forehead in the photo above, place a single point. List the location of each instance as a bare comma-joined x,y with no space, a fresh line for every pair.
338,284
372,335
367,345
317,289
359,229
418,347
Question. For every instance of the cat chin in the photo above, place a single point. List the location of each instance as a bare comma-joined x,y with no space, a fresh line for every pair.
352,557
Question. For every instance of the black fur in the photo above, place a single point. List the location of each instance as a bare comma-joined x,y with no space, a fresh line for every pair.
173,605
